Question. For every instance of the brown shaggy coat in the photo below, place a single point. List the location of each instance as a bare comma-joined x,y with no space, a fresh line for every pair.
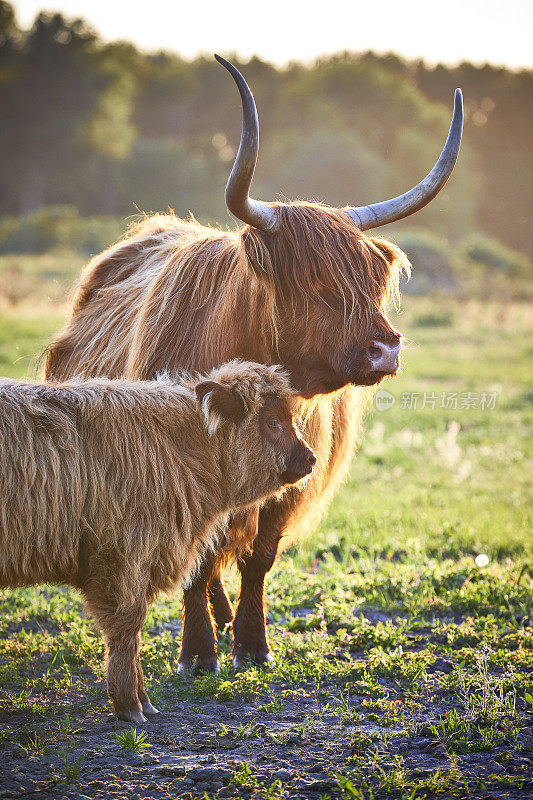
118,488
311,295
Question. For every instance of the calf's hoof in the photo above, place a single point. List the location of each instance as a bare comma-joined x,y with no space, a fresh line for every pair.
242,659
132,716
149,709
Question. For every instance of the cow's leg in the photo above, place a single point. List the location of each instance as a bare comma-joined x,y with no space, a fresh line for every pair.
220,604
331,431
121,624
241,533
199,635
249,626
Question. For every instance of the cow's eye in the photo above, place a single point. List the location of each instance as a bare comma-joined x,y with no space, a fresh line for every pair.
273,423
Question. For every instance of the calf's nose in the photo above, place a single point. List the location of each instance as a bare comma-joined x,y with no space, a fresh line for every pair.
383,357
303,460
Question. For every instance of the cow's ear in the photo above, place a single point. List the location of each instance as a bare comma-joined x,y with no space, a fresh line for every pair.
219,403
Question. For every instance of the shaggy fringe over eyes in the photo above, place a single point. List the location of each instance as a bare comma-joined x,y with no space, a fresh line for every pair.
318,253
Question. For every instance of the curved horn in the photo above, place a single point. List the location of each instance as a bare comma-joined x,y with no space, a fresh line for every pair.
239,203
390,210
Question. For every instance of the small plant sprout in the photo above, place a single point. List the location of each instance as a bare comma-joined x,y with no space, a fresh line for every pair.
131,742
70,769
272,706
66,729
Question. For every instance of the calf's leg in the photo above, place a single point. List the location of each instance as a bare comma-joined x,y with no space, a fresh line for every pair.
147,707
121,625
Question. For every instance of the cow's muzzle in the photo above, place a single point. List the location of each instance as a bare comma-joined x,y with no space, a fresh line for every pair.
383,357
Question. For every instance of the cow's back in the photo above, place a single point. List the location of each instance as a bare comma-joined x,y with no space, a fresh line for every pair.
96,340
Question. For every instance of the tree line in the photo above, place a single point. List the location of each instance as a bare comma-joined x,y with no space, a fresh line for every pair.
109,130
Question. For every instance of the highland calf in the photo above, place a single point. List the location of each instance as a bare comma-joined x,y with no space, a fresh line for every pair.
118,489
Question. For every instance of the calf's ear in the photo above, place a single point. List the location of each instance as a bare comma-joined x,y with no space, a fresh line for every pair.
219,403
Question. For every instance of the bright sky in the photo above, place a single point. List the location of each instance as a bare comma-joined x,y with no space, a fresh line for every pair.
285,30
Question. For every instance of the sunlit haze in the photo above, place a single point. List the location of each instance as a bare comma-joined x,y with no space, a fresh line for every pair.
473,30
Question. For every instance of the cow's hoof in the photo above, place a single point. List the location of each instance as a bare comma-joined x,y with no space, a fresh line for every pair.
207,665
132,716
243,660
198,667
185,669
149,709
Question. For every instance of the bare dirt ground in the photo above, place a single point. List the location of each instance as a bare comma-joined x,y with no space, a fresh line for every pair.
363,729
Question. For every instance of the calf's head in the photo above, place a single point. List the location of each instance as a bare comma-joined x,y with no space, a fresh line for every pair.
249,411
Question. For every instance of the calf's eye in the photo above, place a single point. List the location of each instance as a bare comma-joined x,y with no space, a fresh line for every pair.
273,423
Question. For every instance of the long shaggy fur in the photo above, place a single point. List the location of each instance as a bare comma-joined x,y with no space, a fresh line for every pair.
118,488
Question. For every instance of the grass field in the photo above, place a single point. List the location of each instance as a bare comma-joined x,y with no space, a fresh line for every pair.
402,629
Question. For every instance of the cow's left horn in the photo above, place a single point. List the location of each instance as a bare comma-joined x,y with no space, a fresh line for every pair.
390,210
253,212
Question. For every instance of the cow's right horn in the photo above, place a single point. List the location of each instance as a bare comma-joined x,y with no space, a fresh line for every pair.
239,203
390,210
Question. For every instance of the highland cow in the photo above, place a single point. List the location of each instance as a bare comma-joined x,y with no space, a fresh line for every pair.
300,284
118,489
